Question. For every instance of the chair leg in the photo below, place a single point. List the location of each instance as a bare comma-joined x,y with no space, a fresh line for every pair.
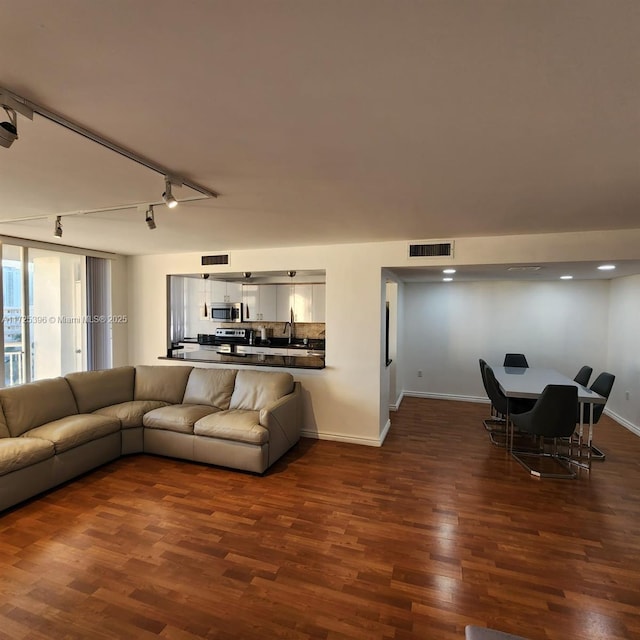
561,461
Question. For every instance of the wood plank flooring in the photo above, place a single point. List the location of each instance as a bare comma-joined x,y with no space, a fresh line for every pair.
435,530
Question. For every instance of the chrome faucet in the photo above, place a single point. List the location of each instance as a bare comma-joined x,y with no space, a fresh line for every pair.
290,325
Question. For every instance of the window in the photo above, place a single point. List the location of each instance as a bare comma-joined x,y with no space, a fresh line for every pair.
47,331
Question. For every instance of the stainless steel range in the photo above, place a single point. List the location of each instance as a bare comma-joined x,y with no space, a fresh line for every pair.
225,340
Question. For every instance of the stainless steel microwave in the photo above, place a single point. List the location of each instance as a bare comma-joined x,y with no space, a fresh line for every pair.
226,311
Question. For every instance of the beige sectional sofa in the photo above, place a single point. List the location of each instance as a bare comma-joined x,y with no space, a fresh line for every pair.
56,429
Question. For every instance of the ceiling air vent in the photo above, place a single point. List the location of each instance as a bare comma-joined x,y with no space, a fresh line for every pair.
221,259
431,249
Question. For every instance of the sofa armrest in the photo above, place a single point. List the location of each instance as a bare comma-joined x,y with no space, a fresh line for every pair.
282,418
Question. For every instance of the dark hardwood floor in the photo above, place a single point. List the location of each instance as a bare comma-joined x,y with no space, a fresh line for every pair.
435,530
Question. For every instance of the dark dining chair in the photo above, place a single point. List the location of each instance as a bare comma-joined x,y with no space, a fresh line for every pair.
602,385
495,419
582,377
502,405
515,360
552,418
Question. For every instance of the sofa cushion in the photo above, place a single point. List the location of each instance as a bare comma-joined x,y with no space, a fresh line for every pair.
27,406
177,417
255,389
17,453
95,389
72,431
155,382
210,386
131,413
235,424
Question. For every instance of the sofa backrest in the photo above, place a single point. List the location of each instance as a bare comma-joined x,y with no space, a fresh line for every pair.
255,389
210,386
96,389
27,406
4,431
158,382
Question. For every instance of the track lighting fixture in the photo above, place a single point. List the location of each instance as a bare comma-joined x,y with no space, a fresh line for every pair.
12,107
57,227
149,218
167,196
8,130
246,274
291,274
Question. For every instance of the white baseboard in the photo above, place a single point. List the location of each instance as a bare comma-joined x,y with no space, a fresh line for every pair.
622,421
385,431
445,396
339,437
396,406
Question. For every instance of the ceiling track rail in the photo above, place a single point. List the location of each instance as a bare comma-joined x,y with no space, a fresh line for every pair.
108,144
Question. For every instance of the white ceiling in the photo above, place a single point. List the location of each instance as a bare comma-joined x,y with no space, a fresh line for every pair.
323,122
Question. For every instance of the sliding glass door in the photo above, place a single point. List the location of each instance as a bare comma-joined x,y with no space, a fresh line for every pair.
44,313
58,323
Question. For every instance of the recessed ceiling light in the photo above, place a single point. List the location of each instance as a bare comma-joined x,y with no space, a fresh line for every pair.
566,277
447,279
607,267
448,271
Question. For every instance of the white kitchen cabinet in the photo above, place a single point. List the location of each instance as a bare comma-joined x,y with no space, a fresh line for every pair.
283,302
234,292
318,303
197,296
306,300
301,302
222,291
260,302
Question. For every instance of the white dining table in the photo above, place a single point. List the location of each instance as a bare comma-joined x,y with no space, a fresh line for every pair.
529,382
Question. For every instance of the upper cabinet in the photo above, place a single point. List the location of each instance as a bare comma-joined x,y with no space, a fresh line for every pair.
318,303
222,291
306,301
259,302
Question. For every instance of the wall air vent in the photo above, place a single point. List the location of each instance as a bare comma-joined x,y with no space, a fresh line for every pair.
221,259
431,249
524,268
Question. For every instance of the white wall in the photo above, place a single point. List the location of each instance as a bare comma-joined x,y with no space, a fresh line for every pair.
624,351
560,325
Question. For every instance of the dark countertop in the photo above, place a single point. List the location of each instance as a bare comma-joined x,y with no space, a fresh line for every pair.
289,362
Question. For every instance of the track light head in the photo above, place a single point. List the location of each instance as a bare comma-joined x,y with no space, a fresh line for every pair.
291,274
246,274
167,196
8,130
57,227
149,218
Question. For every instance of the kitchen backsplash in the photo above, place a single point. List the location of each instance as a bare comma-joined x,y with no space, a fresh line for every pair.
311,330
